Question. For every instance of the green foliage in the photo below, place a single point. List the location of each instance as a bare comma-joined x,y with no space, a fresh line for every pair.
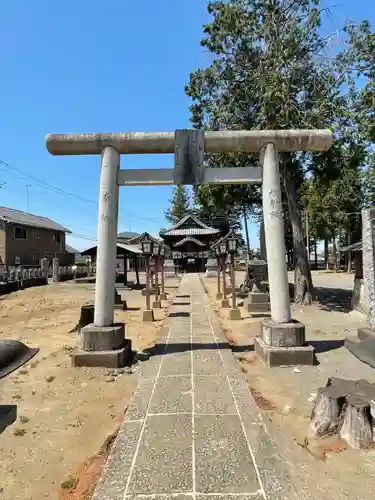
180,205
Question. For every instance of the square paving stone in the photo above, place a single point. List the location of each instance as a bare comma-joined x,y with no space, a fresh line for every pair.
213,395
138,405
222,456
245,402
178,363
115,475
164,461
207,362
172,395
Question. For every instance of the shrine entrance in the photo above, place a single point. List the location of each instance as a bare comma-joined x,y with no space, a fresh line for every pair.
189,148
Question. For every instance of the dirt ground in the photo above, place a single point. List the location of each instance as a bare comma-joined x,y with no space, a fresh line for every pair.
65,414
287,394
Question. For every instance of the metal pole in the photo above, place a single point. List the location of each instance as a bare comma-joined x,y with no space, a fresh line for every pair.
233,281
274,236
148,301
107,238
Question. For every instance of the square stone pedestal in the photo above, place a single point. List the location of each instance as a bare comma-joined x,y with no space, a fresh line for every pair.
365,333
283,344
148,315
258,302
234,313
103,346
225,303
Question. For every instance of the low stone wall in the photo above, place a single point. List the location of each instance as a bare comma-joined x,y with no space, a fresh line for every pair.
13,286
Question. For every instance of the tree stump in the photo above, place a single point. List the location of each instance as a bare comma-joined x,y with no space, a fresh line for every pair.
87,317
325,417
356,428
343,407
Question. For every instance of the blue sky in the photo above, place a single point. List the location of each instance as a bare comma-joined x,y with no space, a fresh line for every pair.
94,66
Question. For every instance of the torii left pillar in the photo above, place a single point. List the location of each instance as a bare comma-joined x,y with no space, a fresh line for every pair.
103,342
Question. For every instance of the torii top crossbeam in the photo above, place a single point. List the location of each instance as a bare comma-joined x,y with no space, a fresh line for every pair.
246,141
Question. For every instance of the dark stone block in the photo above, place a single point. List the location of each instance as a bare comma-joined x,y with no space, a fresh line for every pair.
103,338
282,334
284,356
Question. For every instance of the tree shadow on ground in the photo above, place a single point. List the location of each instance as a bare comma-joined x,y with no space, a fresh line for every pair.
181,303
175,347
179,314
321,346
334,299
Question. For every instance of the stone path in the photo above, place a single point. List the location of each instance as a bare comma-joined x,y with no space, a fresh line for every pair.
192,429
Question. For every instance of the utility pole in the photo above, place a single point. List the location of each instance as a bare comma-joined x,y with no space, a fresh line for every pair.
27,196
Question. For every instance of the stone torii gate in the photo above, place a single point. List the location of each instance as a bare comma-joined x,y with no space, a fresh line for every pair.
104,342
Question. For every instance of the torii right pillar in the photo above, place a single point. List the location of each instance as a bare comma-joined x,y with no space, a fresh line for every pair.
282,340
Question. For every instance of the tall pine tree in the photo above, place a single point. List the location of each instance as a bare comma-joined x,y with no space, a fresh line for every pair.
180,205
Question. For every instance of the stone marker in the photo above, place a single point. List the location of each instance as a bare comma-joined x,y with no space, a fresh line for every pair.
258,301
169,269
211,268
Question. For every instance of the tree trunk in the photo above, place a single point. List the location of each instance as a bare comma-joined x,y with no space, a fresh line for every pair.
349,254
326,253
246,231
334,253
316,254
303,286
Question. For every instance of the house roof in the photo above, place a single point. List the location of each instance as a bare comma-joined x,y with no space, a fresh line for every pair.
191,240
70,249
140,237
128,235
132,249
200,228
12,216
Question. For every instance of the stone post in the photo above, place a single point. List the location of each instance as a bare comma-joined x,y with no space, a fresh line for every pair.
225,301
148,313
157,303
163,295
219,295
234,312
282,340
55,270
274,236
44,264
103,342
107,238
368,255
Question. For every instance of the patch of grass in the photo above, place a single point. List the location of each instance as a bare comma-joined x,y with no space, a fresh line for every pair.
23,419
68,484
51,378
17,396
19,432
23,372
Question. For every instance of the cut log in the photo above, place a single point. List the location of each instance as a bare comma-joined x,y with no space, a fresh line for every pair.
87,317
325,417
357,428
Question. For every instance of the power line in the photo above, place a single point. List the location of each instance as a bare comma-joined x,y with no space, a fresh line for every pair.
8,168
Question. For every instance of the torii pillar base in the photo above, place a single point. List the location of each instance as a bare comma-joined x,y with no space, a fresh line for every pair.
103,346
